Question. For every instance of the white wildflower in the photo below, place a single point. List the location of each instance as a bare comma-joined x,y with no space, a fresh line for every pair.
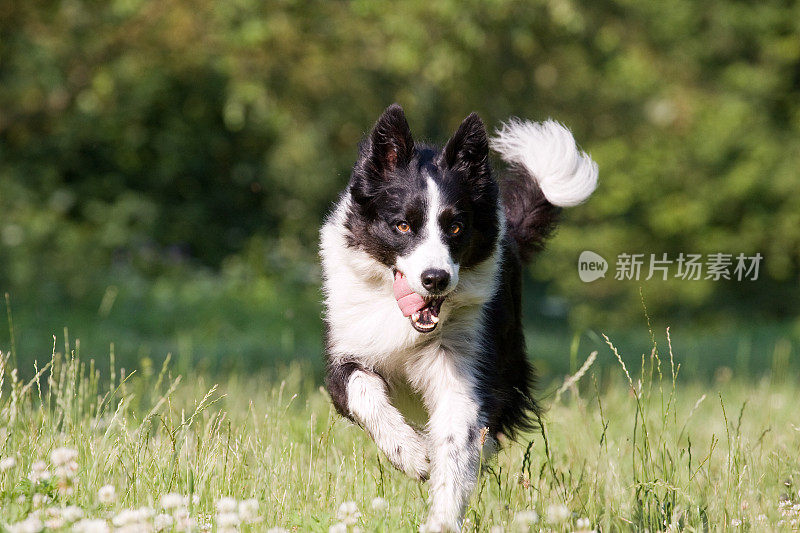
583,525
348,513
183,521
226,505
40,500
736,522
63,456
228,521
248,511
379,504
39,472
557,513
339,527
162,522
524,519
173,500
107,495
7,463
129,517
32,524
88,525
55,523
72,513
54,518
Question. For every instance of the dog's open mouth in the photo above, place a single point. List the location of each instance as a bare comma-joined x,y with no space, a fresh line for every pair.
423,312
426,319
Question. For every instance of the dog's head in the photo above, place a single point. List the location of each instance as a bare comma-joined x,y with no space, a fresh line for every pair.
424,212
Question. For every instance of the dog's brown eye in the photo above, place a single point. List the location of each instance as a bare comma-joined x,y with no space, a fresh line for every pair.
456,228
403,227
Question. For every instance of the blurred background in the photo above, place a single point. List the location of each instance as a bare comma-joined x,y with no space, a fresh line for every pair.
165,165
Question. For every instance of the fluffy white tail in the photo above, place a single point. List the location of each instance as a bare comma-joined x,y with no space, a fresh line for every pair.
547,151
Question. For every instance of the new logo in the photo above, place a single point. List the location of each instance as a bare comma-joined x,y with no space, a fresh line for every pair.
591,266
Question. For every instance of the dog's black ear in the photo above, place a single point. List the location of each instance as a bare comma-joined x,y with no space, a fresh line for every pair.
390,143
468,150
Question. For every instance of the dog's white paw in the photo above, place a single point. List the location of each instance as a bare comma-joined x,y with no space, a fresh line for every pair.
410,455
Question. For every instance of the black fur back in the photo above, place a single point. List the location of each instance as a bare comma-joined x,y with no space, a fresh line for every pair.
530,218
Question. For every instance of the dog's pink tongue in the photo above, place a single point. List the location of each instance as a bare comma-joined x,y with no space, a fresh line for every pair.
409,301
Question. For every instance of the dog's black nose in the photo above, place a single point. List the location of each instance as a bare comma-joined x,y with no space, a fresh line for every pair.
435,279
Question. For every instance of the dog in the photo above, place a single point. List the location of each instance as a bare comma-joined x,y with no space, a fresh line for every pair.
422,261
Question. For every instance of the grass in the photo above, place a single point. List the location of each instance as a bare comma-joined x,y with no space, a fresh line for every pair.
635,449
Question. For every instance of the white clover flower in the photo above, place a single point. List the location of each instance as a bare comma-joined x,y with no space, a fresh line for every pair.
107,494
54,519
40,499
39,472
188,524
557,513
129,517
226,505
339,527
88,525
55,523
183,521
173,500
125,517
67,471
32,524
72,513
162,522
248,511
736,522
348,513
7,463
379,504
228,520
63,456
524,519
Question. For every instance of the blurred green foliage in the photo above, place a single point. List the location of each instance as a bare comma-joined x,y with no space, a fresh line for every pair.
182,153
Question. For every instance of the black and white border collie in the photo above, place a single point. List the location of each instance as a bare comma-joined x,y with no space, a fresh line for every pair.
425,387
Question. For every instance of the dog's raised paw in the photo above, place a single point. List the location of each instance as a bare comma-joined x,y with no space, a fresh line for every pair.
411,457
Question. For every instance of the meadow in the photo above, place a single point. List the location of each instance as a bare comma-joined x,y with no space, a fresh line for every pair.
166,165
622,447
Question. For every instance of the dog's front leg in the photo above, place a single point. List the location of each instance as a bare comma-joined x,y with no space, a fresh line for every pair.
361,395
454,431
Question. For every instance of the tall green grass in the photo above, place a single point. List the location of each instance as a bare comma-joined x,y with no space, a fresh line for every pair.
639,450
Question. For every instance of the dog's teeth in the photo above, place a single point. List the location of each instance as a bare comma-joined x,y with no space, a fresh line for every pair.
435,319
415,316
